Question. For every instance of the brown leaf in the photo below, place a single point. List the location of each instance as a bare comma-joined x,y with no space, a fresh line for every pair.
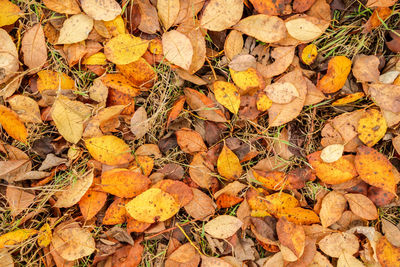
200,170
300,6
26,108
8,55
336,244
34,47
201,206
223,226
233,44
219,15
184,256
19,200
70,7
101,10
128,256
386,96
332,208
291,236
139,123
148,17
362,206
283,57
203,105
365,68
178,190
190,141
177,49
272,30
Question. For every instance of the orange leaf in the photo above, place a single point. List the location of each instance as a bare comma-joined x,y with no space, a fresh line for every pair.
380,14
124,183
269,7
121,83
139,73
299,215
176,109
116,97
143,165
375,169
227,201
271,180
203,105
116,212
51,80
109,149
133,225
362,206
291,236
11,123
336,172
348,99
388,255
338,69
91,203
181,192
190,141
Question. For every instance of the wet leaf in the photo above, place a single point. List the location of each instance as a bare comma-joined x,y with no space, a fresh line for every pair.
125,48
223,226
109,149
228,164
219,15
75,29
227,95
12,124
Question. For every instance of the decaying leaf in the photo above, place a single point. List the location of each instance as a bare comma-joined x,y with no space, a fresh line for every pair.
227,95
219,15
291,236
387,254
371,127
75,29
223,226
34,47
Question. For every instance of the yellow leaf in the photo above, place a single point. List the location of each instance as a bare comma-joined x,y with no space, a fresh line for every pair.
96,59
309,54
44,237
348,99
338,69
11,123
371,127
248,81
142,164
51,80
228,164
16,237
299,215
109,150
9,13
115,26
388,255
152,205
227,95
263,102
125,48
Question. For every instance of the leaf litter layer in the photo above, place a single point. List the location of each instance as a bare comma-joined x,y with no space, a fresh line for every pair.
199,133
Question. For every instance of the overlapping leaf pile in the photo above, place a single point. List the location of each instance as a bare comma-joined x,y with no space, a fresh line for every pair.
246,183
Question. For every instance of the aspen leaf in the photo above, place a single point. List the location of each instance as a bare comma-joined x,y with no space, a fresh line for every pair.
248,81
227,95
12,124
109,149
125,48
51,80
168,11
68,116
121,83
181,192
73,243
44,236
124,183
335,244
190,141
309,54
91,203
387,254
152,206
362,206
223,226
228,164
338,69
332,208
26,108
348,99
16,237
371,127
75,29
336,172
201,205
291,236
70,7
281,93
140,73
177,49
9,13
34,47
332,153
268,29
72,193
219,15
101,10
375,169
233,44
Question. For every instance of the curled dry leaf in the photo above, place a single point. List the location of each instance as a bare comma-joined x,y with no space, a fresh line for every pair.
336,172
34,47
332,208
268,29
201,206
362,206
281,93
72,193
190,141
73,243
177,49
375,169
338,69
227,95
70,7
68,116
109,150
75,29
336,244
228,164
332,153
223,226
125,48
371,127
12,124
219,15
124,183
101,10
151,206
